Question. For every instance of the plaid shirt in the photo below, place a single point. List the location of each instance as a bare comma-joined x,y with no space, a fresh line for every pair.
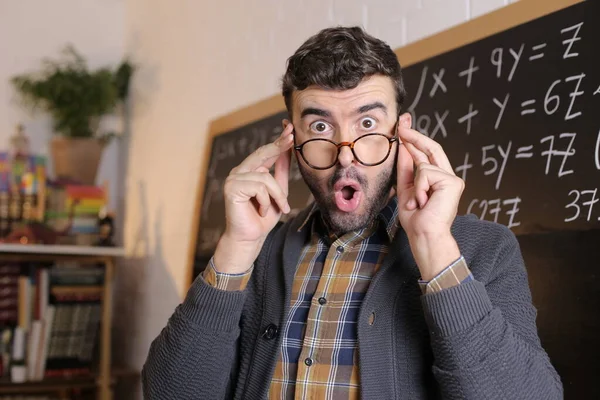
319,348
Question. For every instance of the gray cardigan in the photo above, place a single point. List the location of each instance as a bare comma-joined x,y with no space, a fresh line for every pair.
477,340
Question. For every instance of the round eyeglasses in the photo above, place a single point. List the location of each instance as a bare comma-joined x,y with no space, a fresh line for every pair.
370,150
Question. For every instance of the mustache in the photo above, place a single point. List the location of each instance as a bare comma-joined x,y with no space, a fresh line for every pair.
348,173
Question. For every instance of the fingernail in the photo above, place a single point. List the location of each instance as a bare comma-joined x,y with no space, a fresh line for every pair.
405,124
287,209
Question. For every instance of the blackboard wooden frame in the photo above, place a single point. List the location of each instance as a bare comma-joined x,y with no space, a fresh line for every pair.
489,24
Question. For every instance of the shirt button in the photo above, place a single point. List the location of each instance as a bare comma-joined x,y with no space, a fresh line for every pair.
340,249
322,301
308,361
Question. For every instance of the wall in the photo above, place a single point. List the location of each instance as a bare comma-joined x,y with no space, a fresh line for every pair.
200,60
31,30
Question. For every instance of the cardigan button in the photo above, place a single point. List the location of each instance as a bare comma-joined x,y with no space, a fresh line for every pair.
270,332
372,318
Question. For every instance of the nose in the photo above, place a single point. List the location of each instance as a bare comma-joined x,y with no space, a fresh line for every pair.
345,157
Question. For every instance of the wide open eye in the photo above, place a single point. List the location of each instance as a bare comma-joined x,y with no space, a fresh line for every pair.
320,127
367,123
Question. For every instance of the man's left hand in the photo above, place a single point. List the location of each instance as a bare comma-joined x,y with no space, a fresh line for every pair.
427,200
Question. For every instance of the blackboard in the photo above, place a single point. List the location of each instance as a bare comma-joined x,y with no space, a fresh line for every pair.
516,112
514,99
518,115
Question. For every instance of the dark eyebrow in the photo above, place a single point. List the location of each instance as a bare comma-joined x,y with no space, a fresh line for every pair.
315,111
368,107
361,110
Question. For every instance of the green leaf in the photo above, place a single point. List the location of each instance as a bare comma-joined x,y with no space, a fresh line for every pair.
74,96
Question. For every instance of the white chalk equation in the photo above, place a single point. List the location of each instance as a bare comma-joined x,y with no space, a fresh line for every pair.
497,210
555,150
505,120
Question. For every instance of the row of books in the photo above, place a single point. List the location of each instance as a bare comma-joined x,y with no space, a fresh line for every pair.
75,209
49,319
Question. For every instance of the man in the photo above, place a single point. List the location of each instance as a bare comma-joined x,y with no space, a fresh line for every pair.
378,290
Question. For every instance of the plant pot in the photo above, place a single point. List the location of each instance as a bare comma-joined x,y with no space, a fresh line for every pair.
76,159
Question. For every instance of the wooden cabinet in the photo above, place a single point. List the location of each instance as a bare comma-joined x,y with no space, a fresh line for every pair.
104,378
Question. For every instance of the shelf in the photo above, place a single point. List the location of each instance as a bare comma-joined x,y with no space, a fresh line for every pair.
56,384
61,250
47,385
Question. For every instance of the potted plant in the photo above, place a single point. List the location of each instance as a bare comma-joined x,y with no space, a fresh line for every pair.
77,99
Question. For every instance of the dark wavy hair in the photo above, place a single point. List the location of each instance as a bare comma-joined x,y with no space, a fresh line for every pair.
340,58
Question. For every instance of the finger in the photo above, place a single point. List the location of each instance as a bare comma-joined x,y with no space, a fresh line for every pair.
404,169
265,156
422,187
430,178
429,147
418,156
273,188
255,190
408,200
282,170
264,200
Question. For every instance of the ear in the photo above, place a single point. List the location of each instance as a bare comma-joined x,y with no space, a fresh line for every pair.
285,122
405,120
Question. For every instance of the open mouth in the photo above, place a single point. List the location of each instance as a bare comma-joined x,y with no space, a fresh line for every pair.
347,195
348,192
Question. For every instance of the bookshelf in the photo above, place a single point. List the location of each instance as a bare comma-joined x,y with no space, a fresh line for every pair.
103,380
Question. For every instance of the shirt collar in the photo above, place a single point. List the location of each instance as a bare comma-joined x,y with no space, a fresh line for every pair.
388,216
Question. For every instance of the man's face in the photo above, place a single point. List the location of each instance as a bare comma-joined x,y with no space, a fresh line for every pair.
349,194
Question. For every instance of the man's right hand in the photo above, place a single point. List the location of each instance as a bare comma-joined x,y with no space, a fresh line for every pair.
254,202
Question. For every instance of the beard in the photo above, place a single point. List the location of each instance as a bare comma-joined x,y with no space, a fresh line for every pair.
374,197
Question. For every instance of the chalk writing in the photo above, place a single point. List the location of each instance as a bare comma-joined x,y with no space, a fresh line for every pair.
468,117
597,152
497,60
469,71
527,103
487,209
487,159
552,152
581,199
538,54
438,83
574,94
439,127
502,108
570,41
524,152
464,167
